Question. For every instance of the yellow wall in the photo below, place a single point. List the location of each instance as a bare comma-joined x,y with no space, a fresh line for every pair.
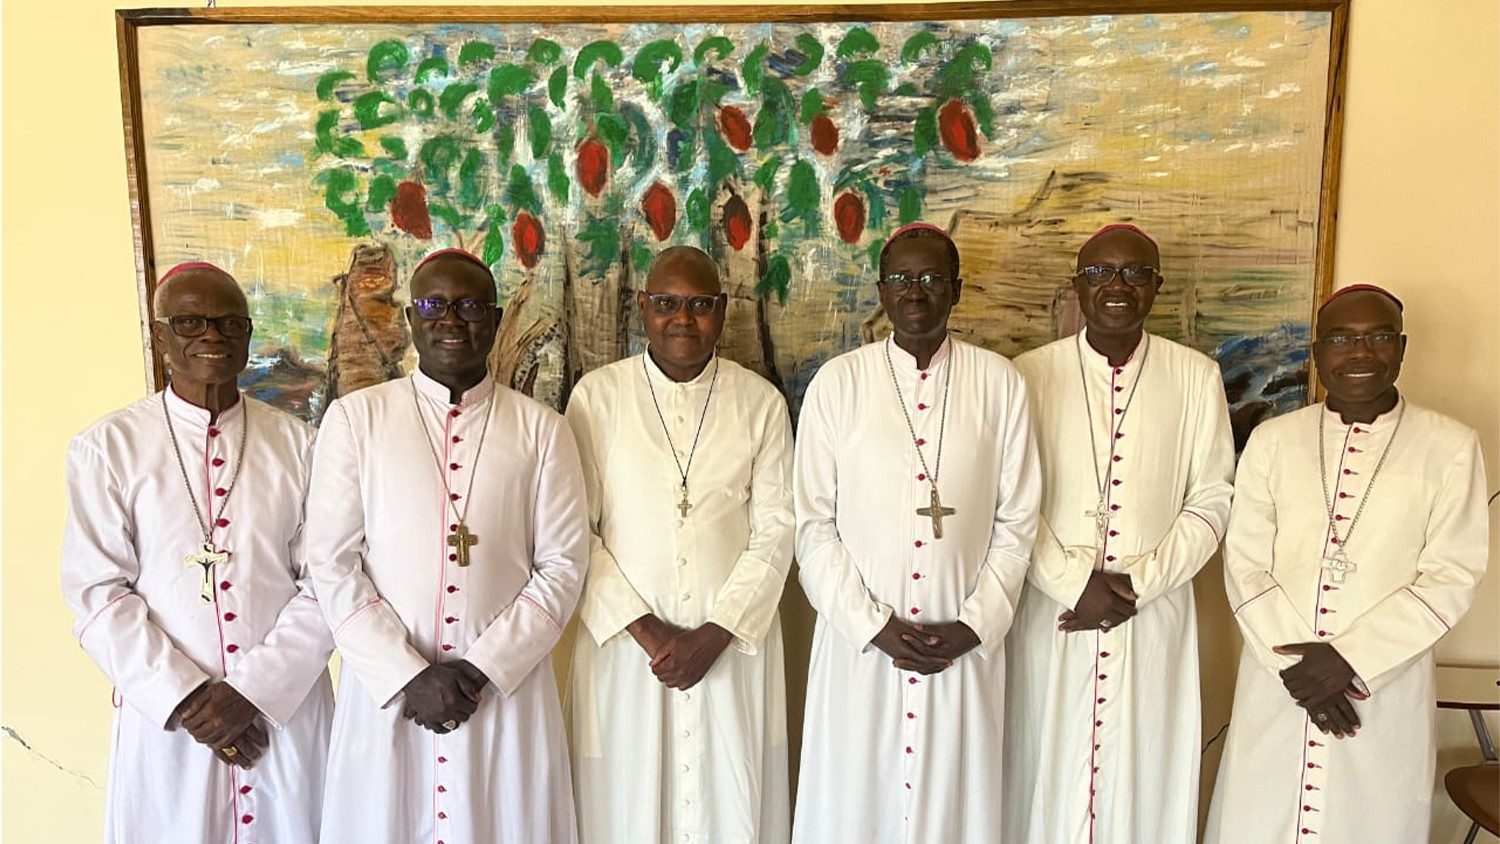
1420,211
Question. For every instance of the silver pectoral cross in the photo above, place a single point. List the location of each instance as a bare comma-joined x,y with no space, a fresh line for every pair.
1338,565
1101,515
936,511
207,559
461,540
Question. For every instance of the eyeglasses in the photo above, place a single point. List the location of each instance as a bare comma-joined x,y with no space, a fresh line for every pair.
667,304
901,282
468,310
192,325
1347,342
1097,276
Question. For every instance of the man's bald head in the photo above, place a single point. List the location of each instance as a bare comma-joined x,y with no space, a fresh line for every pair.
684,265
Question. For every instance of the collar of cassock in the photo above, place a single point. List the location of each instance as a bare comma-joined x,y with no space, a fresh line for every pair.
181,408
907,362
477,394
1094,360
661,380
1381,423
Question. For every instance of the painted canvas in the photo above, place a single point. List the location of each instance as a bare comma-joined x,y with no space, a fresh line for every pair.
318,161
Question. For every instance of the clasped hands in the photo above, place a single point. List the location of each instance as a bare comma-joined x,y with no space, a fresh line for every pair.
1108,601
679,658
1323,683
924,648
217,715
443,695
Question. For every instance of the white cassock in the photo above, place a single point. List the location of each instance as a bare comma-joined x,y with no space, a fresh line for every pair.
1418,551
141,617
1102,738
707,764
888,755
379,518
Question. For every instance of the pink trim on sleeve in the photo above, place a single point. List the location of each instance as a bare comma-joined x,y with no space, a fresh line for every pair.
543,610
1211,528
357,610
1446,625
95,617
1267,591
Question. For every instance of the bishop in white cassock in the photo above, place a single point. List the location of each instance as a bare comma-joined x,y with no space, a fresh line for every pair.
916,489
678,686
181,566
1358,538
448,539
1137,459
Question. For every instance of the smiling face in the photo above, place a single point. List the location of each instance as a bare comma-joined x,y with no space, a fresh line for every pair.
210,359
917,312
1365,372
1117,308
451,350
682,342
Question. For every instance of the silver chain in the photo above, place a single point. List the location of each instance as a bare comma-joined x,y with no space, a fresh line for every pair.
1369,488
1099,480
682,471
911,429
438,461
203,524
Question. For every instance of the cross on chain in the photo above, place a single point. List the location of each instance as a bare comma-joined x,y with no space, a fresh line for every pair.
1101,516
936,511
683,506
207,559
461,539
1339,566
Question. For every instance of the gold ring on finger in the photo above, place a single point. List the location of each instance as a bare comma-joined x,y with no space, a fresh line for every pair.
450,725
231,751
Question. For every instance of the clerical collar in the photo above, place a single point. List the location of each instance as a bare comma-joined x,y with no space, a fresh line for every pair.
439,392
661,378
1381,423
904,360
1095,359
181,408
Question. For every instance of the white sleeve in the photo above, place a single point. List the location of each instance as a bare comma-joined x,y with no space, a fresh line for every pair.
112,621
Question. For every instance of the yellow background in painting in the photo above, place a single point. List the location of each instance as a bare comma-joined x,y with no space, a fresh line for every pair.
1419,210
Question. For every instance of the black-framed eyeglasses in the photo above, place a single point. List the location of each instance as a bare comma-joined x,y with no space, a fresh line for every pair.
1135,276
468,310
1373,340
901,282
192,325
667,304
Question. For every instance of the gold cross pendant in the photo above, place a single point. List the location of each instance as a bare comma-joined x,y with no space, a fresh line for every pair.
462,540
936,511
207,559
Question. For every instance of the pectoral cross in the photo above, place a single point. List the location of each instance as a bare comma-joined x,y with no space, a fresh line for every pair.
1101,515
936,511
206,559
683,506
1338,566
461,540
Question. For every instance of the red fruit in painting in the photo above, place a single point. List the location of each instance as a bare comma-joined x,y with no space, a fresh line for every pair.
736,127
527,237
660,208
956,126
849,216
736,223
593,166
409,210
825,135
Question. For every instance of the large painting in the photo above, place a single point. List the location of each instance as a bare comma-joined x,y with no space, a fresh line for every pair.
318,153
